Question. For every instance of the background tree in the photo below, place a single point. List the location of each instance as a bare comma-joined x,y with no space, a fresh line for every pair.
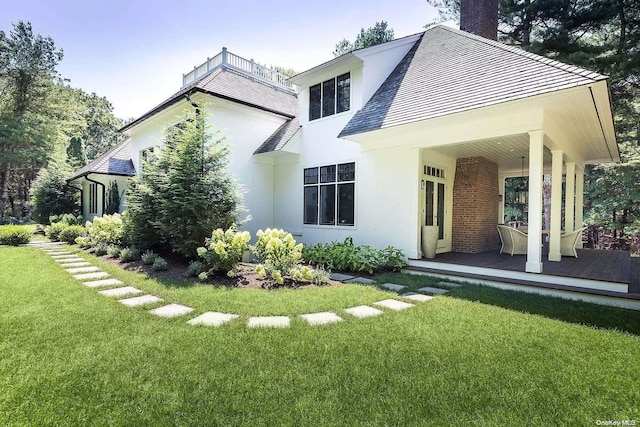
27,71
185,192
372,36
112,199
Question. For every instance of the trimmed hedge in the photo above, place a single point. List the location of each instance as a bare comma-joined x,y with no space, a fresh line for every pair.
14,235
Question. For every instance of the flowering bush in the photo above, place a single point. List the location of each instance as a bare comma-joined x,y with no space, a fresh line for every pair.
107,230
224,250
281,257
70,233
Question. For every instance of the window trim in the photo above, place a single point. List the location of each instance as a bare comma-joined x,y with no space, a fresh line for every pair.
335,184
321,86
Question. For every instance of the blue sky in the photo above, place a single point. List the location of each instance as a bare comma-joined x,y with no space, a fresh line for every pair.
135,52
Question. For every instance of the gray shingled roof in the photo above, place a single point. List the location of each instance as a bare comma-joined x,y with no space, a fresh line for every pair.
115,161
448,71
280,137
236,86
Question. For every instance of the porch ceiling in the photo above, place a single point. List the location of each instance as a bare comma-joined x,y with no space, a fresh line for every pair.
506,152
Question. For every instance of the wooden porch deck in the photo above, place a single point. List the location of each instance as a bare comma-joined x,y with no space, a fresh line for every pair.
613,274
608,266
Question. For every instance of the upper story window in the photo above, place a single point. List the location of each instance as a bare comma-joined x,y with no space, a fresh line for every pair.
330,97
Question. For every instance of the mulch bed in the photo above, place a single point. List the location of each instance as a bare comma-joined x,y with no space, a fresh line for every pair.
246,276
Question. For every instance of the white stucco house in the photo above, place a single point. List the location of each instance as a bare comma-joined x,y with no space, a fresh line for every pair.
377,143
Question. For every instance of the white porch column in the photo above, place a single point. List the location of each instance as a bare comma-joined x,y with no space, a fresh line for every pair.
501,184
534,240
569,198
579,201
556,205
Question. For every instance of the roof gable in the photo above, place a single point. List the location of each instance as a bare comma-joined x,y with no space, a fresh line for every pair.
115,161
234,86
449,71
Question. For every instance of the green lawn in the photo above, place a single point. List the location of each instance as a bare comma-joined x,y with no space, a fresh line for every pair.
69,356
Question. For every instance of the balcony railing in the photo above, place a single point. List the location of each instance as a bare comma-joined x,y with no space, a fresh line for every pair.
234,61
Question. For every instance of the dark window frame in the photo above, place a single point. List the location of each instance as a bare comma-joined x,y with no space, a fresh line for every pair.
334,180
330,97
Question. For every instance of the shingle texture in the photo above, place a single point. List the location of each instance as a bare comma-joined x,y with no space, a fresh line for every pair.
236,86
449,71
115,161
280,137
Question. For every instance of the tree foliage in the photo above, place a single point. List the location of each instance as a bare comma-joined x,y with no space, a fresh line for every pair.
185,192
379,33
27,72
51,193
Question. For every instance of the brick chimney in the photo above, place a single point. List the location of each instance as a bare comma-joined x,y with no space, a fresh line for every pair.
480,17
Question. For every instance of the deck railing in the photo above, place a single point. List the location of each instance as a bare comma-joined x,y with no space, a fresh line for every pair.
234,61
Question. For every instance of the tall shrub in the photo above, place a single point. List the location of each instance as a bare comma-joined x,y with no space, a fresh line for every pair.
185,192
51,193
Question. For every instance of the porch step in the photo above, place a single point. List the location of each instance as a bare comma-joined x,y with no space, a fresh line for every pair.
479,278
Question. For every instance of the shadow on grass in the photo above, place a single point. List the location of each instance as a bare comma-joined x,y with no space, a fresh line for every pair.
578,312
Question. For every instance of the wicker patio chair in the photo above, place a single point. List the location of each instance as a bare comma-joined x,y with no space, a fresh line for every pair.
568,242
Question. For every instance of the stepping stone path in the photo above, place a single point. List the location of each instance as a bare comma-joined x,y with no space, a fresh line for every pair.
417,297
322,318
120,292
141,300
393,287
171,310
340,277
434,291
76,264
213,318
362,311
77,270
102,283
84,271
362,280
394,304
449,284
269,322
89,276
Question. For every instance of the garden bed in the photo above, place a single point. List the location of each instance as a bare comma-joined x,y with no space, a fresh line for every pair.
246,277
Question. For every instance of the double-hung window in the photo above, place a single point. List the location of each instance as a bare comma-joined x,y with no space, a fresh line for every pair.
330,97
329,195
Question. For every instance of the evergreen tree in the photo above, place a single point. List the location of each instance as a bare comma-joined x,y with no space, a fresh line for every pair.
51,193
372,36
185,192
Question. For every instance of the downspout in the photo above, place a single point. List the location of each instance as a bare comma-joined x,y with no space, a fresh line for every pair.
197,107
103,191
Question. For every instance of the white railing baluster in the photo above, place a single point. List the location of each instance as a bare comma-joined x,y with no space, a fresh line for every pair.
234,61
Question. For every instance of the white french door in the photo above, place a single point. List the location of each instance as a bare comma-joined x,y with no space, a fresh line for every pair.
434,206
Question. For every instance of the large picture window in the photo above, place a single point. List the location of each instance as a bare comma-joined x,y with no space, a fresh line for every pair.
330,97
329,195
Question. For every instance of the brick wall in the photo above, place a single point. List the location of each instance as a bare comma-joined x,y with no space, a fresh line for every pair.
480,17
475,206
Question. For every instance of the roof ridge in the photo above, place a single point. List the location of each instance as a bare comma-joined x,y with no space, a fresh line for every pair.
529,55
